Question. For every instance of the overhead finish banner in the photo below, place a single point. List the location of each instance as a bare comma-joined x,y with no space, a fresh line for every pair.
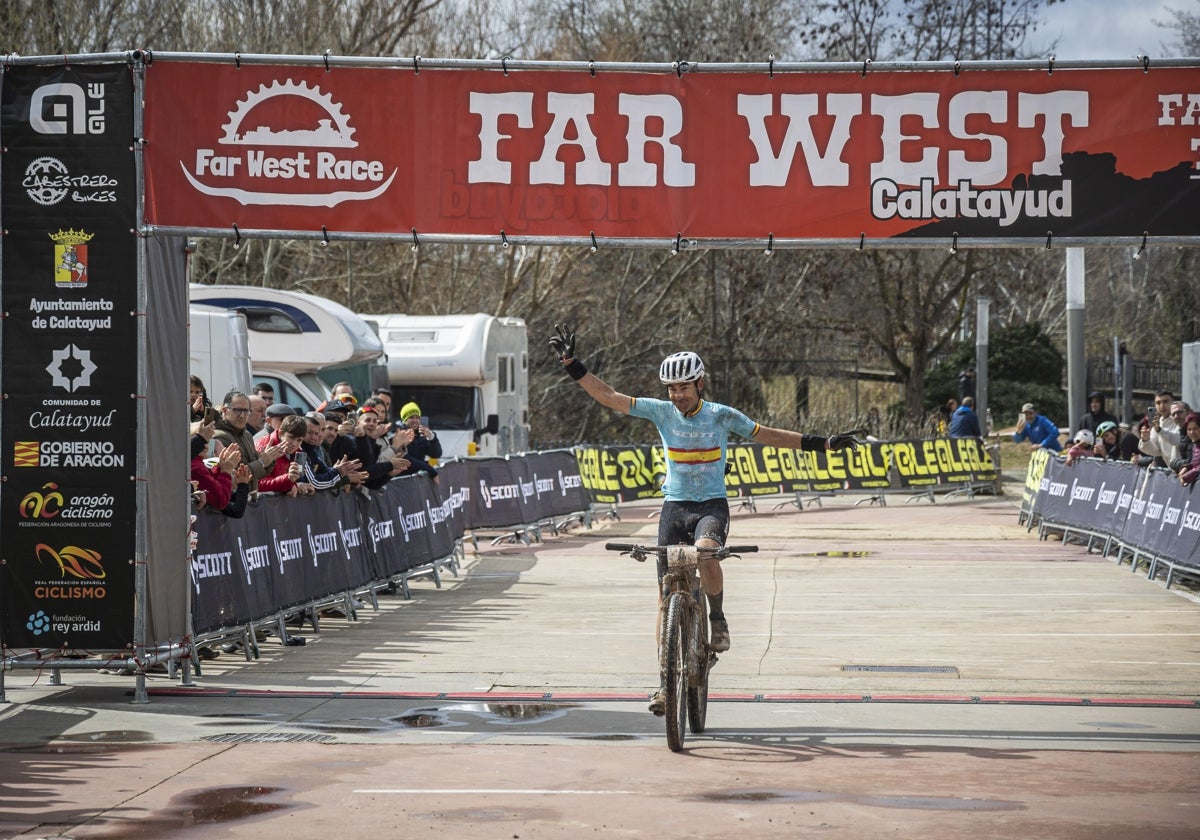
70,362
982,153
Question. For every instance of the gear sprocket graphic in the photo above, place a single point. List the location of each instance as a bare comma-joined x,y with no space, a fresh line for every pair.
340,134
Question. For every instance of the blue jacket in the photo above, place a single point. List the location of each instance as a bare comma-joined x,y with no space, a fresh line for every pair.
964,423
1041,432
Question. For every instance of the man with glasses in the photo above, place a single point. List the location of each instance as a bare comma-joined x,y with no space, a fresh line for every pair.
231,430
1160,440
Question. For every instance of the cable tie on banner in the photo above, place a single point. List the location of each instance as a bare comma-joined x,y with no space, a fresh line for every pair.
866,64
595,246
237,60
592,68
66,61
957,67
1049,237
1145,63
504,65
503,239
416,65
325,57
770,245
416,242
682,67
771,66
237,242
1050,67
862,238
678,241
324,237
1142,250
147,56
954,243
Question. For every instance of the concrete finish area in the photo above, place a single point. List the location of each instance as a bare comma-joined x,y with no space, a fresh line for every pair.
1005,687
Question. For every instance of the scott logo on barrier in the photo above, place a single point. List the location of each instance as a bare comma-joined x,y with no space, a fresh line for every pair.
267,117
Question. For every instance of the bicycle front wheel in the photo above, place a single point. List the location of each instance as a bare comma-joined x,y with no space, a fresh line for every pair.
674,670
697,706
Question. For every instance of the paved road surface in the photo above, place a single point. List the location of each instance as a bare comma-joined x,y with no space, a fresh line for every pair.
1006,687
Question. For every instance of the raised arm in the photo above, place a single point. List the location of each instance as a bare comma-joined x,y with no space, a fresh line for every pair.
787,439
563,343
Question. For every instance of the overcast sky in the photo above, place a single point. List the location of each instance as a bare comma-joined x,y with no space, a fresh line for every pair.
1109,28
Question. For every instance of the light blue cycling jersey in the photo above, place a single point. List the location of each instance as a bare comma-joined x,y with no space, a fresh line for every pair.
694,445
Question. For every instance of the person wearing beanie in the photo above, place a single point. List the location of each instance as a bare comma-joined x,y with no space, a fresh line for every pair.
424,445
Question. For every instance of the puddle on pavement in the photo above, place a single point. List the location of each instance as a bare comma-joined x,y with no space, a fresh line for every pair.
69,748
1105,724
205,807
504,714
433,717
916,803
107,736
835,553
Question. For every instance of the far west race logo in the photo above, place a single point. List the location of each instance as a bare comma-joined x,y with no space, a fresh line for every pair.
293,140
71,258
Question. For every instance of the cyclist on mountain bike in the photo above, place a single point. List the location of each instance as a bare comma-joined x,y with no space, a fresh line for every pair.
695,433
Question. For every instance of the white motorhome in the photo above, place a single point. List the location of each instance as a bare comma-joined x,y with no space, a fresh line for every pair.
218,350
468,373
301,344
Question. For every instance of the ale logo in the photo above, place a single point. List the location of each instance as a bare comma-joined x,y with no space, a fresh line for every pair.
73,561
38,623
39,505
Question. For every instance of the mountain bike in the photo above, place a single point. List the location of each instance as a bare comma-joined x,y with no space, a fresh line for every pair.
684,656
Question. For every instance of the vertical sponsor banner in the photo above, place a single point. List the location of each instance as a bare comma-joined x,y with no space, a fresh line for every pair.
69,290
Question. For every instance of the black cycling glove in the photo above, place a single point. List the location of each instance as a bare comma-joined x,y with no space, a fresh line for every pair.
563,343
845,440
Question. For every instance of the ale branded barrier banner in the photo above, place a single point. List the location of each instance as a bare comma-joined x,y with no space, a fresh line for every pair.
615,474
713,155
1143,508
69,290
288,552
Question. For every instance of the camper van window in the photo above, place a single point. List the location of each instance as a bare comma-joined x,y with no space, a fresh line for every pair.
504,380
270,320
450,408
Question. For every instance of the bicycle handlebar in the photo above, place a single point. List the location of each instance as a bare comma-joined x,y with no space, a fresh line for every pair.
647,549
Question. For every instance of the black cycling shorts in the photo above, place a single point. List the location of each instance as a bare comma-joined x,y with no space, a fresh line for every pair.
682,523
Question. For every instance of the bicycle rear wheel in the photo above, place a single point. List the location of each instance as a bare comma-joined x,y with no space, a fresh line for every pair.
674,671
697,698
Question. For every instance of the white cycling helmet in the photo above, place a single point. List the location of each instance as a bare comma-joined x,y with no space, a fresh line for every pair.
1085,436
681,367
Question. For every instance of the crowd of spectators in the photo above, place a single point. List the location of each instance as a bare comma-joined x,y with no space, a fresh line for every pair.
250,444
1163,437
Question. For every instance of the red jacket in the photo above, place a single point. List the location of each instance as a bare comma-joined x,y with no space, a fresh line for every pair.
218,486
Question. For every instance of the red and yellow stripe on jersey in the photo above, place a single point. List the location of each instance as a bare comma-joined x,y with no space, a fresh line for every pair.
694,456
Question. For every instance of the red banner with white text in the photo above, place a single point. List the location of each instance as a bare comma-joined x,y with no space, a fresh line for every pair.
984,153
